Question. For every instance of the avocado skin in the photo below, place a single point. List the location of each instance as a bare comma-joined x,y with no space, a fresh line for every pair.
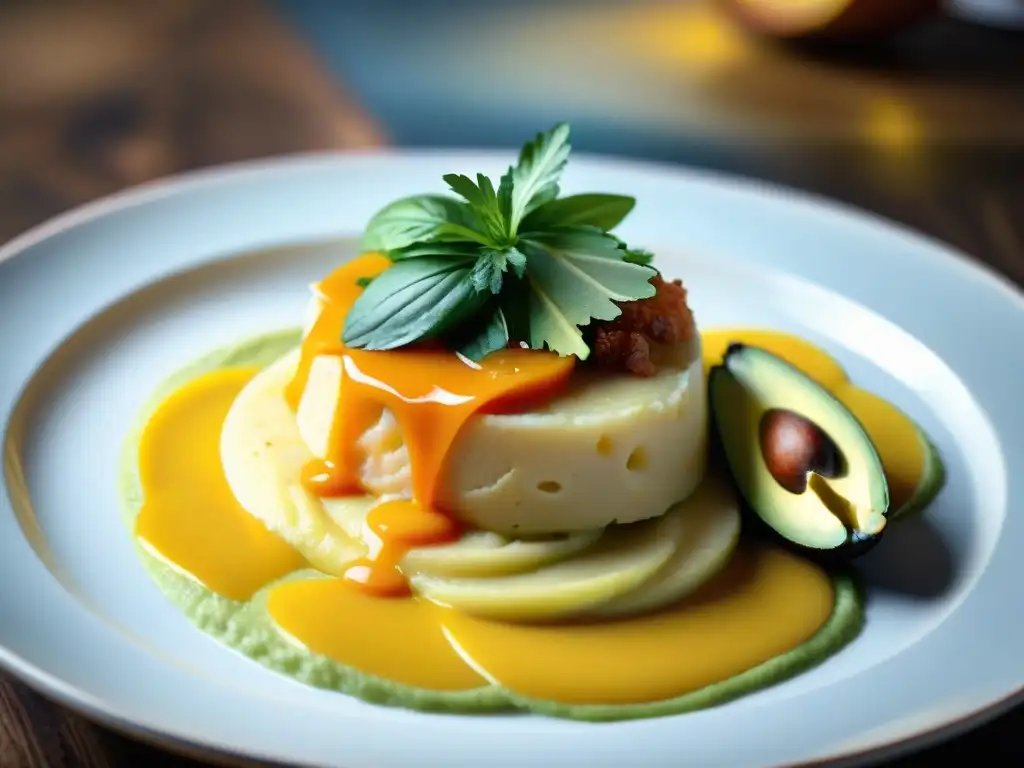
757,529
762,497
933,478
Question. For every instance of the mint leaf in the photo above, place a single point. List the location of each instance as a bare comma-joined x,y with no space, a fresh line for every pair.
484,200
416,219
602,211
576,276
535,177
491,336
491,265
412,300
362,282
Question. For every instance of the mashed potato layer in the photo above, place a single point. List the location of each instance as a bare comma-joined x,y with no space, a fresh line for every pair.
608,449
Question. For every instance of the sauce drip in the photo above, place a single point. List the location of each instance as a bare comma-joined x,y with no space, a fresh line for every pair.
764,603
432,393
393,528
189,517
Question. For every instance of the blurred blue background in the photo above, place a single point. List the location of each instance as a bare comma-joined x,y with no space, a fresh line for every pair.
924,124
660,79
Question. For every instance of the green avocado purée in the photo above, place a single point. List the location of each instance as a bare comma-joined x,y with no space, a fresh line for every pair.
246,626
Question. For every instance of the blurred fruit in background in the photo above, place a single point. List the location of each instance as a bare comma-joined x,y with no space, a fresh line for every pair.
839,20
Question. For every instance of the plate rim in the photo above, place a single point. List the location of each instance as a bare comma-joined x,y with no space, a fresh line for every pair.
178,183
814,204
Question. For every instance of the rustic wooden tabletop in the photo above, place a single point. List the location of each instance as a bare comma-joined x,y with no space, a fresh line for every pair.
145,90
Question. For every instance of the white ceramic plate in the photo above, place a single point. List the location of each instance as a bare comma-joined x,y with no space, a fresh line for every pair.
99,305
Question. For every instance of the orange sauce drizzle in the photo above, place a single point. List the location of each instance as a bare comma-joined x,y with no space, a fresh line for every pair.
763,603
190,518
395,527
431,392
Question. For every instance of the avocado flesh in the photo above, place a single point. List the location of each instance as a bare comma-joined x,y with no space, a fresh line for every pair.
844,514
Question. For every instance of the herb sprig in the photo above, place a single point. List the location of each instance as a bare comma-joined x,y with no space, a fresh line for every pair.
514,261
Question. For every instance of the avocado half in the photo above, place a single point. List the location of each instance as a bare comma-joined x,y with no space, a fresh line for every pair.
800,459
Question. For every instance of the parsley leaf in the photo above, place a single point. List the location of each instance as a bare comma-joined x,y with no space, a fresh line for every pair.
412,300
491,265
634,255
575,276
603,211
638,256
535,178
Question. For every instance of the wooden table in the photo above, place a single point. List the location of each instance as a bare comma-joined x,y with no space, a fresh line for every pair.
145,90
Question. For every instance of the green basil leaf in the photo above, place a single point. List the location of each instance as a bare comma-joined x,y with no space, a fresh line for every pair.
453,250
489,337
597,210
416,219
411,300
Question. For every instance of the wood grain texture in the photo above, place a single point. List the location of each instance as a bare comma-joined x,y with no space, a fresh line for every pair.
138,91
143,90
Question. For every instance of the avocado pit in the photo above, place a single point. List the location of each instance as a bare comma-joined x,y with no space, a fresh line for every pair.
794,446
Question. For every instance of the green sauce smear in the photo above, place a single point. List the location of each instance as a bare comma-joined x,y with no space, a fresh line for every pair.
246,626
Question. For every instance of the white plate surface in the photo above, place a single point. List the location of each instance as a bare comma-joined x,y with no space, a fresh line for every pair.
100,305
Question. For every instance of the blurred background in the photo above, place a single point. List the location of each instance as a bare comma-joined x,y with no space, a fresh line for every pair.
910,108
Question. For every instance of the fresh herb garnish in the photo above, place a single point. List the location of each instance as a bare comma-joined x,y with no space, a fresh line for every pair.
508,262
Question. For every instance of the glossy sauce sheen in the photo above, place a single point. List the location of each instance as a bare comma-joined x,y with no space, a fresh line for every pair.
190,517
394,527
763,604
432,393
